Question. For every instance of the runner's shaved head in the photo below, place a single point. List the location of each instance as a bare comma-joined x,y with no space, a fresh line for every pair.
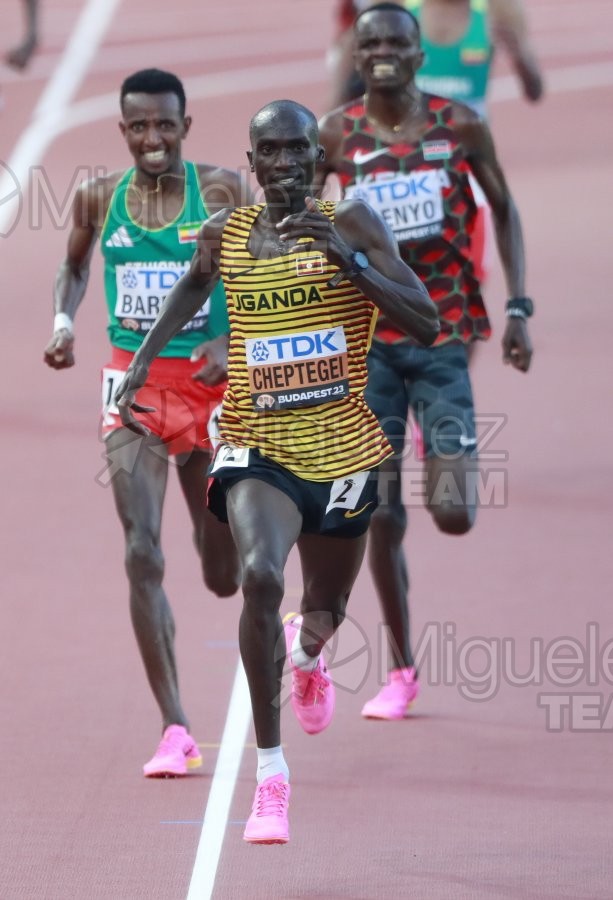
285,110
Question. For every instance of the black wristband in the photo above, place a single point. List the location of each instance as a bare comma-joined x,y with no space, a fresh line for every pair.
520,307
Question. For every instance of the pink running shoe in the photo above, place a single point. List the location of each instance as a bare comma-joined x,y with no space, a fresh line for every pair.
268,822
395,698
313,694
417,437
176,753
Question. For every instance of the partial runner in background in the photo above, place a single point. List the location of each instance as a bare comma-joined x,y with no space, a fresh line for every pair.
458,38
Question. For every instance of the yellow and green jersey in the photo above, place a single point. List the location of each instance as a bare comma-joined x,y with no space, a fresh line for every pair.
297,359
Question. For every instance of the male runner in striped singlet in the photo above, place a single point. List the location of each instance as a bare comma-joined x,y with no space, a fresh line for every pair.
409,155
148,219
300,447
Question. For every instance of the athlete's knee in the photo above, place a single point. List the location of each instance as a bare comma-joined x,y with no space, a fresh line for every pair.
453,518
144,559
262,583
388,523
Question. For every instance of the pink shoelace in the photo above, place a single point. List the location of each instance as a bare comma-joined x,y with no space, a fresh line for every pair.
316,687
271,799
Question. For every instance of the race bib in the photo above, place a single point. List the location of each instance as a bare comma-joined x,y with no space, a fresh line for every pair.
411,204
229,457
345,492
213,426
111,379
305,368
141,291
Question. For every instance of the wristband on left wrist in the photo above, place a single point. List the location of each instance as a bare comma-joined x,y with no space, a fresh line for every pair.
519,308
62,321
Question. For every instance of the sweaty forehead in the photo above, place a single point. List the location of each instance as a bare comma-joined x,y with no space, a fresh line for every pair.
140,105
385,23
282,124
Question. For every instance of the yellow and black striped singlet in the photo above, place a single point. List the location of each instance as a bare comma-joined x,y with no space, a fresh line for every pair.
297,359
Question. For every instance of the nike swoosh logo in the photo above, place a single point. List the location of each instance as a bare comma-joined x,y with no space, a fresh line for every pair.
360,158
233,275
352,513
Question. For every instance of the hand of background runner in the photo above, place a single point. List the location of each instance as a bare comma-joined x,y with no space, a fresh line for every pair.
20,56
321,231
133,380
215,368
516,344
59,351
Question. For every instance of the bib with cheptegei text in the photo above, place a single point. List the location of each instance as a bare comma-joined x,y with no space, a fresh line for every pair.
304,368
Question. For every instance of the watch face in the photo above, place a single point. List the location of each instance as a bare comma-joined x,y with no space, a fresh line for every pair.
360,260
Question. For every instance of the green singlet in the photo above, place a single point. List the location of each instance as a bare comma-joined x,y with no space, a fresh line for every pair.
142,264
458,71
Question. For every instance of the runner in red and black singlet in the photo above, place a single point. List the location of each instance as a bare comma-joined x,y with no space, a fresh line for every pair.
408,154
422,191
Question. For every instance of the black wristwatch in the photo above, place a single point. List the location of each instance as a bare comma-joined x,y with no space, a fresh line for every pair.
358,263
519,308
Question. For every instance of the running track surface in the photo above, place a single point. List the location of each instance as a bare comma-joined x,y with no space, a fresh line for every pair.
467,799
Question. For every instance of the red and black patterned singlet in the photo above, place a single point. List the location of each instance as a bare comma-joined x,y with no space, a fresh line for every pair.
423,193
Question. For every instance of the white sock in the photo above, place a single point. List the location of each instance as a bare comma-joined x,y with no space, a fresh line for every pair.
300,658
271,762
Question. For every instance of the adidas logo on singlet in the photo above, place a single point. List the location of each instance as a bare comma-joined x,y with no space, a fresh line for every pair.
120,238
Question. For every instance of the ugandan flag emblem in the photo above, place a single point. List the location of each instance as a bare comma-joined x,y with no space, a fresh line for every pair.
309,265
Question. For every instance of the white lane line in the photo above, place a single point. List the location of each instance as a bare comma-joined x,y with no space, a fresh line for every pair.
48,115
222,789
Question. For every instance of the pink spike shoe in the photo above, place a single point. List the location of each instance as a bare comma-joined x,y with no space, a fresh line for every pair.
268,822
395,698
313,696
176,753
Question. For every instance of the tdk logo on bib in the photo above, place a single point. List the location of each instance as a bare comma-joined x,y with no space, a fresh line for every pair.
142,289
304,368
410,203
286,348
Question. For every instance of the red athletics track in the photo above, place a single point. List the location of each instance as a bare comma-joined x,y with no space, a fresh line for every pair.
467,800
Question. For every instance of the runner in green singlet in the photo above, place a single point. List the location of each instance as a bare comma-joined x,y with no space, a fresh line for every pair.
147,219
